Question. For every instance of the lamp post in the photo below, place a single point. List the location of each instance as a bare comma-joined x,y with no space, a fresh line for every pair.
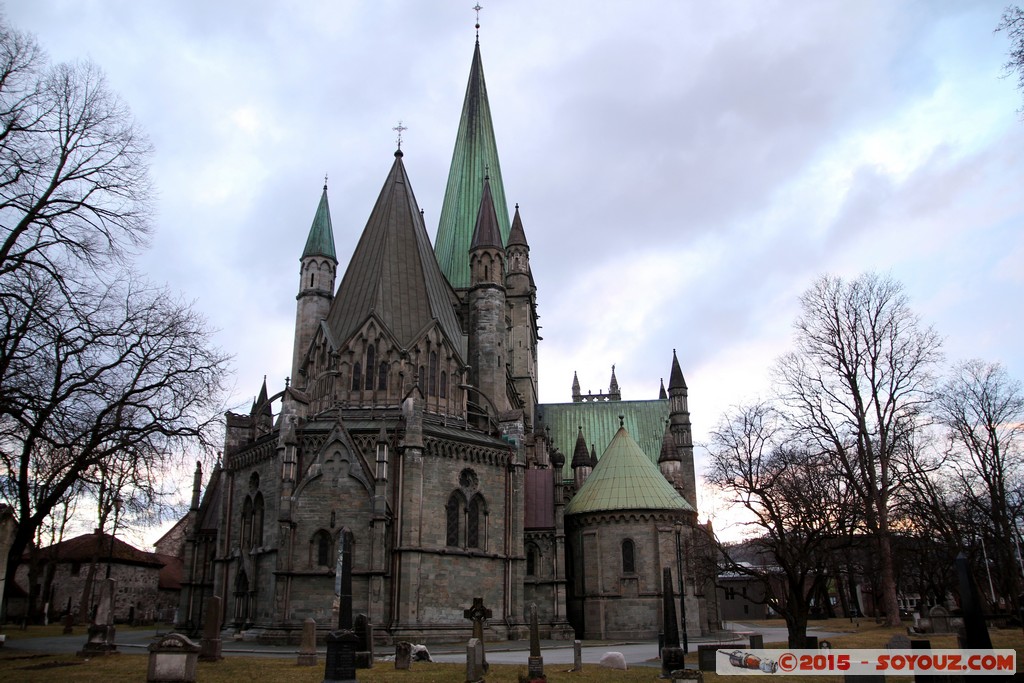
682,586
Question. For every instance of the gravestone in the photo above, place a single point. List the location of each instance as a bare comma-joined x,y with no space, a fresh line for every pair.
756,641
307,648
939,617
478,614
535,662
403,655
975,630
69,623
707,657
613,660
811,642
364,632
671,653
210,644
945,677
898,642
577,656
172,659
474,660
343,643
101,631
863,678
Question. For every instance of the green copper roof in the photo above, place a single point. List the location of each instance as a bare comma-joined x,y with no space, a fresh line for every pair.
475,156
625,479
321,237
645,420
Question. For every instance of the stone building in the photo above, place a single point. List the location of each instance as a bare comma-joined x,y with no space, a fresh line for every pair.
409,441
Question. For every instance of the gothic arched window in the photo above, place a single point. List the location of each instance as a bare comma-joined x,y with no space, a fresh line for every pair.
432,384
257,521
246,538
382,376
320,550
371,363
452,512
628,557
443,389
476,522
357,376
531,560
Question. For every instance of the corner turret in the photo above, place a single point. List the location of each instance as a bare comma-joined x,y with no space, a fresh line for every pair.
521,298
317,273
682,436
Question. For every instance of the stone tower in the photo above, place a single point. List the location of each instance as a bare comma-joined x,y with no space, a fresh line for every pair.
317,272
521,297
485,302
679,425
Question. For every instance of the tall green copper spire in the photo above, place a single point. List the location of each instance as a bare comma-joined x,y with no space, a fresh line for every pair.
321,237
475,156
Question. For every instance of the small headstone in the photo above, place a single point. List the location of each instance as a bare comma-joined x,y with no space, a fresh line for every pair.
707,657
477,613
173,659
898,642
341,656
577,656
613,660
863,678
101,631
944,677
210,644
69,623
403,655
811,642
939,617
756,641
535,662
307,648
474,661
364,632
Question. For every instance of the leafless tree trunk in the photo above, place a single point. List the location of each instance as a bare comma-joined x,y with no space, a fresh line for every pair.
859,377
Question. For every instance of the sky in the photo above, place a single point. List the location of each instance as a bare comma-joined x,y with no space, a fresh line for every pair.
684,170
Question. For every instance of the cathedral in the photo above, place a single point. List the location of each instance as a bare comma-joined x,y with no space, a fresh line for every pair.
409,443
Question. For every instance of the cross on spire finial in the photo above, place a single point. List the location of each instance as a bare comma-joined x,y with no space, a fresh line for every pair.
477,9
325,181
400,128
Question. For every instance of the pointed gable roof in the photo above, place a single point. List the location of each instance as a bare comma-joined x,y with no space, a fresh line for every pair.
393,274
675,380
475,155
486,234
625,479
517,236
580,454
321,236
669,453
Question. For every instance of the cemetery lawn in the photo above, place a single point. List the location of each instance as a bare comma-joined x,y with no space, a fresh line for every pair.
21,666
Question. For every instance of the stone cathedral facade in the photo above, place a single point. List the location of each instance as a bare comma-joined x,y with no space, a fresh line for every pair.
409,436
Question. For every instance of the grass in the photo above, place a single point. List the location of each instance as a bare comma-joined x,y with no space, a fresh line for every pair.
21,666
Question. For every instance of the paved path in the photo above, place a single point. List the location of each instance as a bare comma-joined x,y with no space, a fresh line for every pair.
556,652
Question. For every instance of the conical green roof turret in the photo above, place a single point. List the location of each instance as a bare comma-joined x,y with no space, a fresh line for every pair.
321,236
475,156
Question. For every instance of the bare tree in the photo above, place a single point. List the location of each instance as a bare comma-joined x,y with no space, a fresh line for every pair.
983,408
796,503
1012,23
97,367
855,385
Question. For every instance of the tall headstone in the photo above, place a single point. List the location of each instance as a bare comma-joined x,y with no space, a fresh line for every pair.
364,632
976,631
535,663
671,653
474,661
478,614
172,659
577,655
210,646
342,643
307,648
101,631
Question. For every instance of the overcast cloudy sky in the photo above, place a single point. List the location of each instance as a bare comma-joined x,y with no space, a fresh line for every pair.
684,169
